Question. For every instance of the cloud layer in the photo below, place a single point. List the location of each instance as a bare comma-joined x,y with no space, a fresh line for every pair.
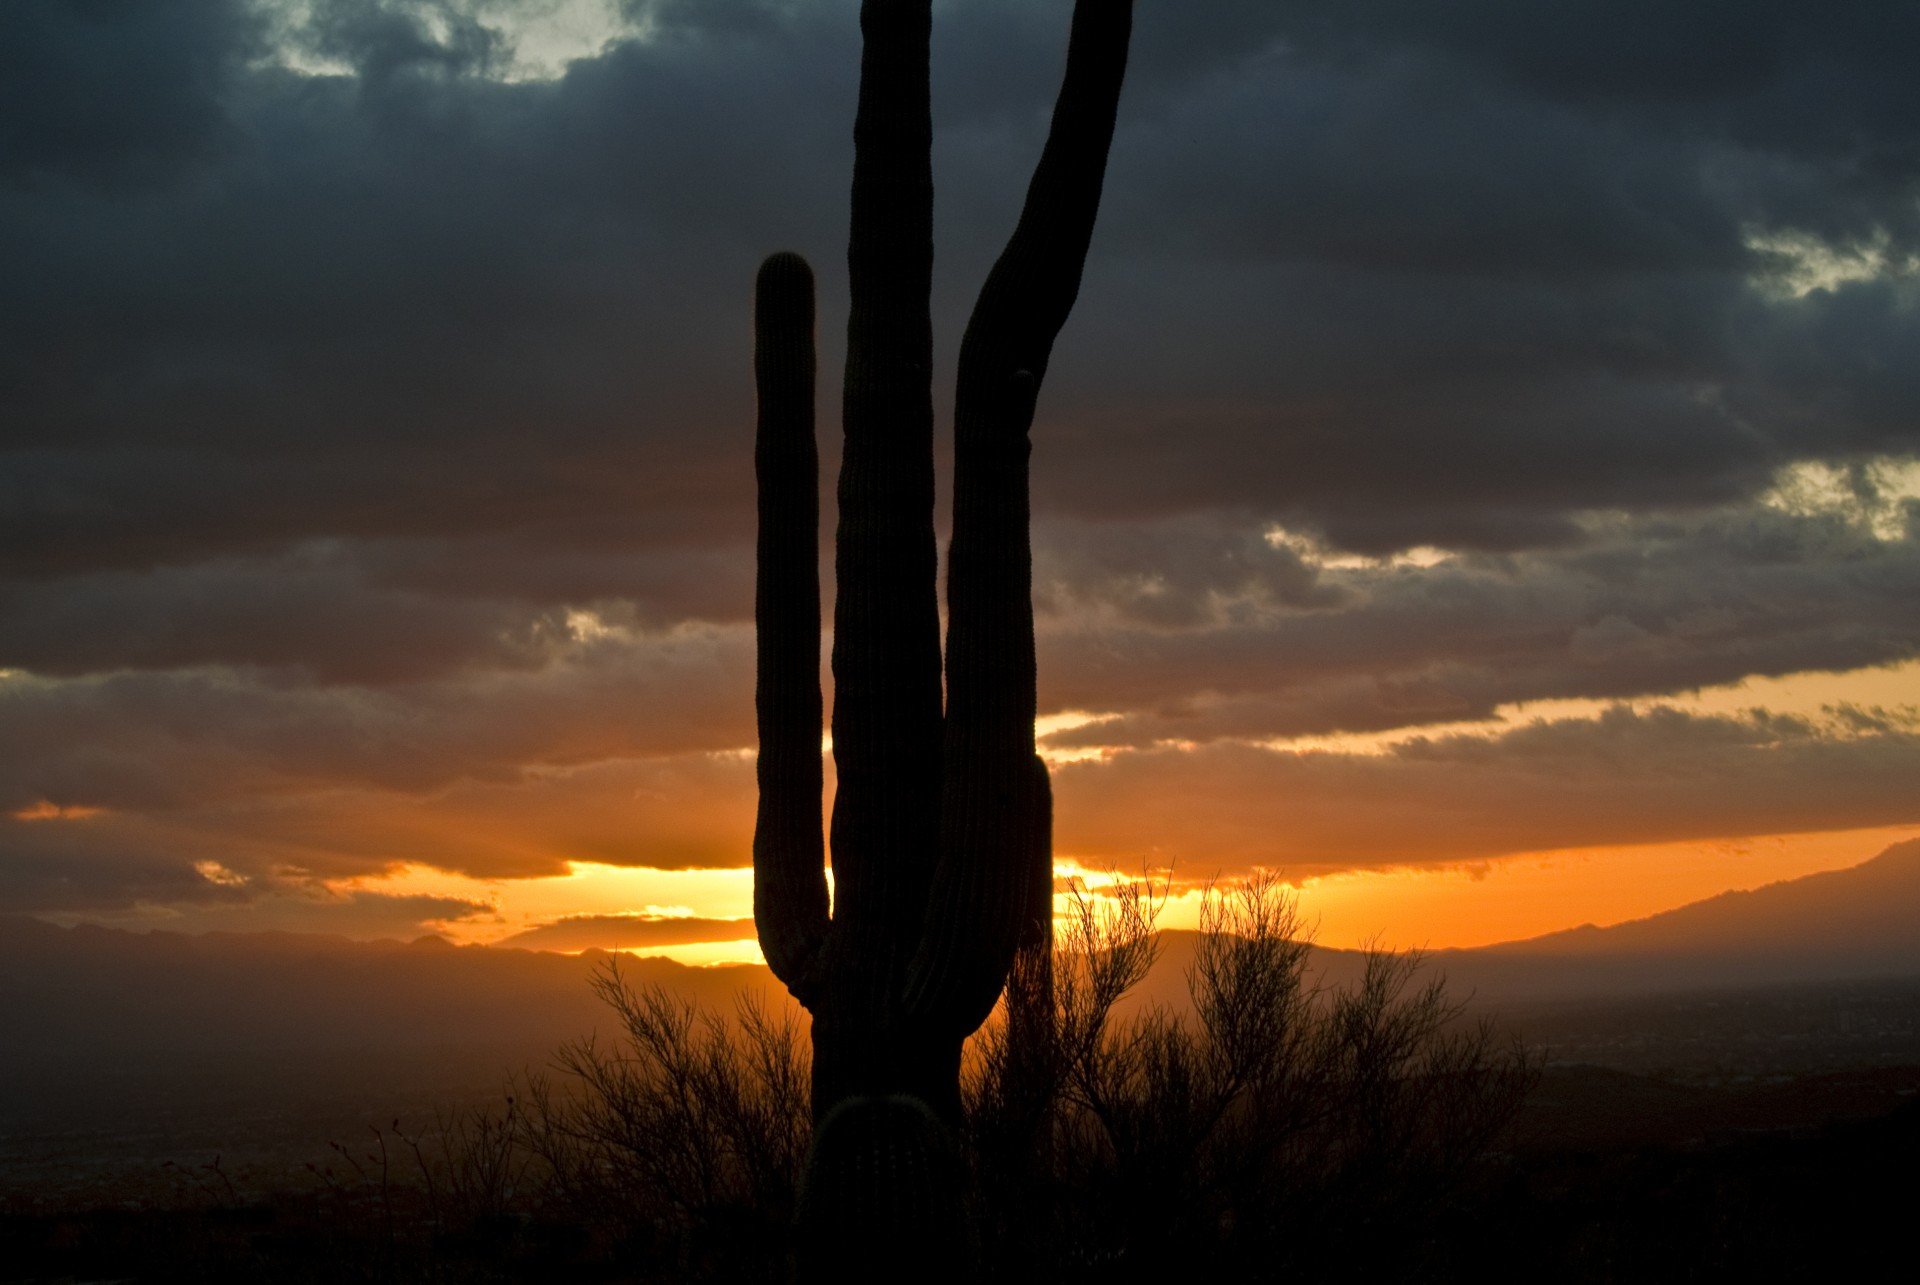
375,472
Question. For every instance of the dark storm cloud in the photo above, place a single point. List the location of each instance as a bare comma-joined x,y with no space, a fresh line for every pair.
118,92
254,612
1374,272
413,301
371,613
1412,297
1348,270
1777,73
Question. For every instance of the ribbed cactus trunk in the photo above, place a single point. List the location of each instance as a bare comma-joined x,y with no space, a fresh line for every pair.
941,823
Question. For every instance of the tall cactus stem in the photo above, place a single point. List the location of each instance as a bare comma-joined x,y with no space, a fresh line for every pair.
886,625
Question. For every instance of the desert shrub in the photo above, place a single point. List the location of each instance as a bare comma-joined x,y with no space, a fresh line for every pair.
1278,1125
472,1163
681,1143
1274,1124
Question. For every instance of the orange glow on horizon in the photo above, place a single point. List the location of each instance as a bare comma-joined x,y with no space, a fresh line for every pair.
1527,896
1432,908
1513,898
706,954
588,888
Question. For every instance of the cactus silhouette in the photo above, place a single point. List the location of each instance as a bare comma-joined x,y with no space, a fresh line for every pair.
941,822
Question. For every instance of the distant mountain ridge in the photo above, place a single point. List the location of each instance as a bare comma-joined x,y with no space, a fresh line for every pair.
1871,907
1857,923
86,994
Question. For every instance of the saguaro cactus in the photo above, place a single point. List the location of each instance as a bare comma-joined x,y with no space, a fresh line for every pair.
940,828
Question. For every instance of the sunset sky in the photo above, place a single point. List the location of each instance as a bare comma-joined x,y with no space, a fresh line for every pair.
1481,479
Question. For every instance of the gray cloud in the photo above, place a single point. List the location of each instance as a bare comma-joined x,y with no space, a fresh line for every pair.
367,613
1195,574
1637,607
147,875
417,301
180,739
1624,778
358,914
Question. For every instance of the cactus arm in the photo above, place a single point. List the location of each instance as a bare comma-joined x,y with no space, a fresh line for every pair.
994,792
789,878
1027,297
886,641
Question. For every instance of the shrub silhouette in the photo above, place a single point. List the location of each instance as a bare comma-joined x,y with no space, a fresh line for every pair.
941,819
683,1141
1266,1129
1274,1125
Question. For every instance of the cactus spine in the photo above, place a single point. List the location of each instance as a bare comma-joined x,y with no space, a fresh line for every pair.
941,823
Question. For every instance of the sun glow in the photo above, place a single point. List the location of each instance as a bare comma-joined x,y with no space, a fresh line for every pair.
46,810
1065,721
215,873
706,954
587,888
1316,551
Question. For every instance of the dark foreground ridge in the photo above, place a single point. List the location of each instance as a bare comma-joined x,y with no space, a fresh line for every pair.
1609,1177
1361,1132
